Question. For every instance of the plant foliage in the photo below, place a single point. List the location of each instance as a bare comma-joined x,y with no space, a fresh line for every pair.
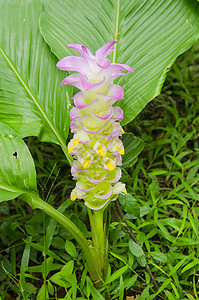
31,100
150,36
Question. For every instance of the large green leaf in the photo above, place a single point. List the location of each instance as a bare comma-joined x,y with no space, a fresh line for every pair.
152,34
17,170
31,99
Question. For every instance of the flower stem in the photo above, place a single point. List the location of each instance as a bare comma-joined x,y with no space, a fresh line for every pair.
99,239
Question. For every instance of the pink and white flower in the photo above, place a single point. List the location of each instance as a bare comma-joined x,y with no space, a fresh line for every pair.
96,146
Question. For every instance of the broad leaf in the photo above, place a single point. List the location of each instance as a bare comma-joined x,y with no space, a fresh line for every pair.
130,205
150,33
32,101
132,146
137,251
17,170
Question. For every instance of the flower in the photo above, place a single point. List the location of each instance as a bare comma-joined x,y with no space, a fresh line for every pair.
95,146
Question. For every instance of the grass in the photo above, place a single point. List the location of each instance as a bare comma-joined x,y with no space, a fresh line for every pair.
161,210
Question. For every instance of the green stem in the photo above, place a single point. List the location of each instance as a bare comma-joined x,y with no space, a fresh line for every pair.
99,239
89,251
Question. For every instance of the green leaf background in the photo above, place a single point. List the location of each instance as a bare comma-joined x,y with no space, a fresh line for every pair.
32,102
31,99
151,35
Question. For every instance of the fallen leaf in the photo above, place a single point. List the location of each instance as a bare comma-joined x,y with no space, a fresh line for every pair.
132,297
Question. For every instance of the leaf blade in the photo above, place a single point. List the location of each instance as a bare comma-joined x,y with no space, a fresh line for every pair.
39,106
154,34
133,146
17,170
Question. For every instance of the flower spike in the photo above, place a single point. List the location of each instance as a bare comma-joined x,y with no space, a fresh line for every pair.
96,146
